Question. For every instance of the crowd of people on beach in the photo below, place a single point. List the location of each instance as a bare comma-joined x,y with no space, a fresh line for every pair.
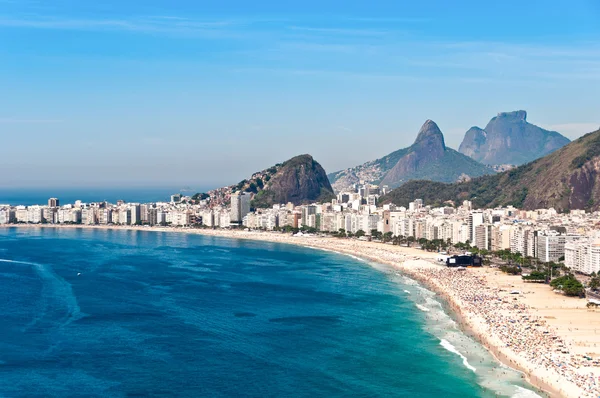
512,323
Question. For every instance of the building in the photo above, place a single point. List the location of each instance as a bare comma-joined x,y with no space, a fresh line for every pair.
551,245
124,217
49,215
53,202
500,238
583,256
240,206
34,214
475,219
135,210
483,236
176,198
7,216
309,216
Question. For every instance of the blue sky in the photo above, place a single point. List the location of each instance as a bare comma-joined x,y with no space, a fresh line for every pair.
205,93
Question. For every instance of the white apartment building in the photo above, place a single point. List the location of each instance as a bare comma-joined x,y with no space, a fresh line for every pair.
88,216
21,214
475,219
500,237
124,216
180,218
104,216
483,236
49,214
7,215
583,255
135,210
34,214
551,245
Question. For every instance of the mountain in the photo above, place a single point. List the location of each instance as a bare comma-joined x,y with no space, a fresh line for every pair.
510,139
428,158
298,180
568,178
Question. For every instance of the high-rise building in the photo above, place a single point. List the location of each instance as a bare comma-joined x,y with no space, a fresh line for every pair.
53,202
551,245
135,213
475,219
240,206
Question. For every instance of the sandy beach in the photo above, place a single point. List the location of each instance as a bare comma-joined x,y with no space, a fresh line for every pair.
539,332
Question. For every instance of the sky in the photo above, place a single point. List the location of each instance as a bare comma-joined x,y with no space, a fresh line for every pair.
199,93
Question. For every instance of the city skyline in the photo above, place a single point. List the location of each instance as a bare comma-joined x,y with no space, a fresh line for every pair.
156,93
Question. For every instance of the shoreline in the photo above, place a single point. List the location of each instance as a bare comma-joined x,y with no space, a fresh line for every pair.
412,262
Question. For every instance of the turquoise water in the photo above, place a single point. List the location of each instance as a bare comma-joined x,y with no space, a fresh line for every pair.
132,313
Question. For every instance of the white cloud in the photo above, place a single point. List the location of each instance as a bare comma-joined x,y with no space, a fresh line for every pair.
152,24
8,120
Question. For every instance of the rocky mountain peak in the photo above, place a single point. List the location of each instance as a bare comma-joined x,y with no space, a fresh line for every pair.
430,135
509,139
515,115
300,179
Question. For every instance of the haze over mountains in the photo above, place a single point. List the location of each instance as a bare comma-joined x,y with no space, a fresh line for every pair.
427,158
509,139
568,178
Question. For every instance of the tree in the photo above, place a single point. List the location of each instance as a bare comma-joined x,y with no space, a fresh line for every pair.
252,188
535,276
569,285
594,283
387,237
512,270
485,256
360,233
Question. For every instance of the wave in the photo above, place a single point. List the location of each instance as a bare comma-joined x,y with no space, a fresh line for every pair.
523,393
409,281
492,375
448,346
357,258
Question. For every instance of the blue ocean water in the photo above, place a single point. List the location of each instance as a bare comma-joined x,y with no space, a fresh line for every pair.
141,313
39,196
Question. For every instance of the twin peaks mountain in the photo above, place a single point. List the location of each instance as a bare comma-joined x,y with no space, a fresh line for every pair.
566,179
510,139
427,159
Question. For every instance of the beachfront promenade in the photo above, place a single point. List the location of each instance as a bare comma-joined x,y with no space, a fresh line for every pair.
542,333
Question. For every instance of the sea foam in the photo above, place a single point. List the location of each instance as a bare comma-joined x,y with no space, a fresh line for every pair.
523,393
447,345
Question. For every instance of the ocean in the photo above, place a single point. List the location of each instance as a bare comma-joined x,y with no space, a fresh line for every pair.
40,196
116,313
